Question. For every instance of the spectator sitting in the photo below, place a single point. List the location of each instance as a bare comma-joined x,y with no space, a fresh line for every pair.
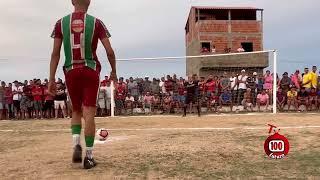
205,50
240,50
281,99
303,98
213,101
148,100
157,102
167,103
247,100
226,99
129,101
292,98
263,100
313,98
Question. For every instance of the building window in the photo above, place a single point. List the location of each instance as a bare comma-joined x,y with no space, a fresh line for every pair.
205,47
247,46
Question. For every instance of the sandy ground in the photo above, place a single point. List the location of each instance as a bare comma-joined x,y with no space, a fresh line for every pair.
215,147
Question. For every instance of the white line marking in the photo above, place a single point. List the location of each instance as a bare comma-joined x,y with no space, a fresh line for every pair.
168,129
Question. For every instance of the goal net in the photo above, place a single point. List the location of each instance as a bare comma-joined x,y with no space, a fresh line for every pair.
234,82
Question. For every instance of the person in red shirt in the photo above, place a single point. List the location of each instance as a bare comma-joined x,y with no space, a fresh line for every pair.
80,32
8,96
210,86
121,90
37,93
48,106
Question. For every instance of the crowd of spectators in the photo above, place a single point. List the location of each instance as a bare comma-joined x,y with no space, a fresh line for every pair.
167,95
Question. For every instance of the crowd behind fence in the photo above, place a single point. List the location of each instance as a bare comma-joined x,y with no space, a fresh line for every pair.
230,92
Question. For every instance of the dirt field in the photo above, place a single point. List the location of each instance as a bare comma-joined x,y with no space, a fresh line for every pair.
215,147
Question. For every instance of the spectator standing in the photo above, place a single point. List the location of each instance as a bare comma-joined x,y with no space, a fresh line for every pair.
48,106
296,79
234,87
162,85
120,95
285,83
133,88
168,84
146,85
60,100
2,99
210,86
242,81
307,80
314,77
102,99
155,88
253,89
17,91
225,82
8,95
37,93
108,98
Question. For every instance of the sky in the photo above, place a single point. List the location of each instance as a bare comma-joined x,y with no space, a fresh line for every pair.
147,28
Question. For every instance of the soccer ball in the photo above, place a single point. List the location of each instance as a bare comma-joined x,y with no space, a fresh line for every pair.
102,134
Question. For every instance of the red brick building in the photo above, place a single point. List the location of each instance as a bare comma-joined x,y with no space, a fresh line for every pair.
218,30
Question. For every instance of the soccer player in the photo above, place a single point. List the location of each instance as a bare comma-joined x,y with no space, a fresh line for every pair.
79,33
191,97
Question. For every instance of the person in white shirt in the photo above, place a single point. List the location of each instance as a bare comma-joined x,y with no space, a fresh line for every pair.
161,84
102,99
242,82
240,49
17,91
108,98
234,87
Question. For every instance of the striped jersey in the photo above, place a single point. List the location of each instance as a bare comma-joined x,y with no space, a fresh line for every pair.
80,33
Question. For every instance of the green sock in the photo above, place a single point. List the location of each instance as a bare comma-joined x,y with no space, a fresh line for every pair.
89,141
76,131
89,146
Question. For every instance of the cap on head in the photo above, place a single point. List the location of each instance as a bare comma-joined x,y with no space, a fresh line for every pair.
243,70
255,73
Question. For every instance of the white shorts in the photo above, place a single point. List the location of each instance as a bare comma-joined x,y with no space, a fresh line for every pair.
101,103
1,106
60,104
108,103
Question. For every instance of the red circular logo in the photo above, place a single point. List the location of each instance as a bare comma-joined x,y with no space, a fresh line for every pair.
276,146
